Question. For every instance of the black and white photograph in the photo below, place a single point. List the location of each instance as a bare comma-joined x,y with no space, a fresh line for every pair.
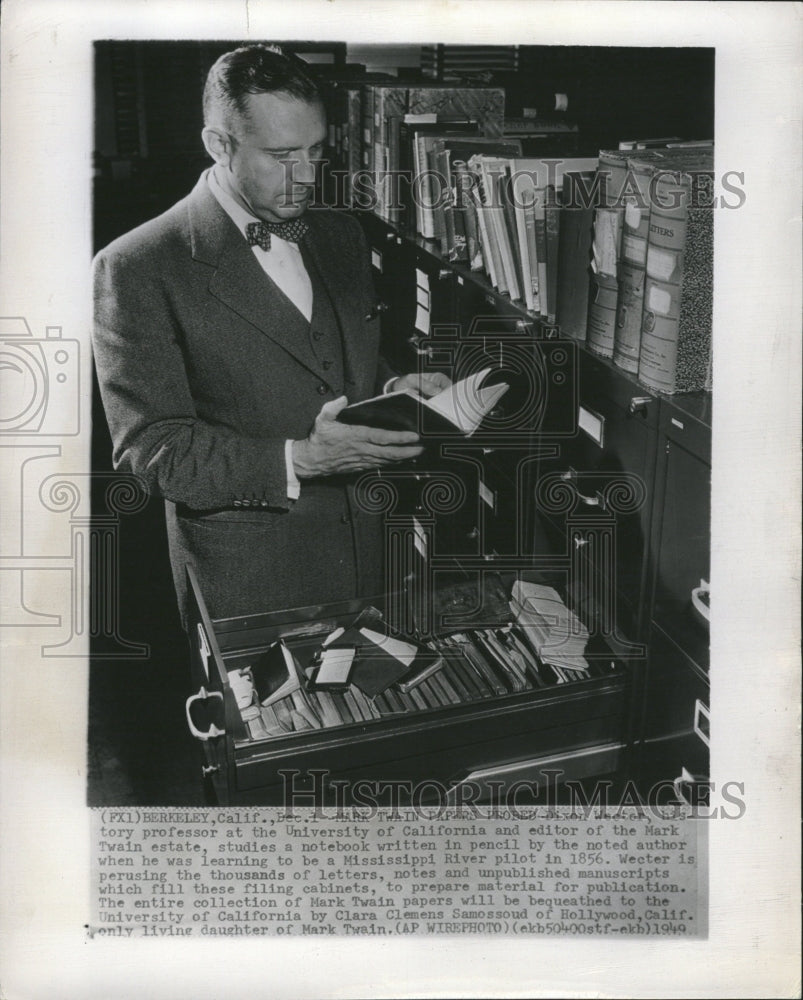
401,475
465,213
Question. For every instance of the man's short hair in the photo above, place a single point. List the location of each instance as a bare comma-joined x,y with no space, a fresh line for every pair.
252,69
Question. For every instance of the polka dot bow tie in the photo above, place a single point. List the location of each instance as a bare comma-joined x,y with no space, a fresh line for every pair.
259,233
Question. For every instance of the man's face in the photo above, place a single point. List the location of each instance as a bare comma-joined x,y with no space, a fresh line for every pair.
271,166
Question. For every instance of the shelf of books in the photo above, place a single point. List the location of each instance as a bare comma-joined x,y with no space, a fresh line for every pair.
613,250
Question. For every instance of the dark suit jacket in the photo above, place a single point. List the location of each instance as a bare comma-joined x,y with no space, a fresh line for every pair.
202,386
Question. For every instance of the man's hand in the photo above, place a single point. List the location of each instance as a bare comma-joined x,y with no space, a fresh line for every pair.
428,384
334,448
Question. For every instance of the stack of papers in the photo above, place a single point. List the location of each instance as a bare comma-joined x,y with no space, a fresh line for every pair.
556,634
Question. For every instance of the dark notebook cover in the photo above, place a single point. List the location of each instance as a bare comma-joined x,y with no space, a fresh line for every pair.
399,411
275,672
375,667
467,402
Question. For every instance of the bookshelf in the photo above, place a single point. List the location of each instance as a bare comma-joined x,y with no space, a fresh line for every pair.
606,444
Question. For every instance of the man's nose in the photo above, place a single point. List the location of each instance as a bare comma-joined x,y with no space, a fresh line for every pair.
302,169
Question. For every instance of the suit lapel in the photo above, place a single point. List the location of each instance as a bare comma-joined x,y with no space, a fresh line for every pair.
239,282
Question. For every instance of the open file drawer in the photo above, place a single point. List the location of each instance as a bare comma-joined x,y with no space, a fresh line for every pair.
576,727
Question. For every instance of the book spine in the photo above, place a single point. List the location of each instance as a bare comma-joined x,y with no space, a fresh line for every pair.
523,247
438,165
511,235
490,248
460,252
424,190
632,270
496,229
485,238
574,259
380,150
407,210
604,294
352,143
532,251
539,222
391,103
603,297
552,225
464,182
450,214
367,141
678,297
627,333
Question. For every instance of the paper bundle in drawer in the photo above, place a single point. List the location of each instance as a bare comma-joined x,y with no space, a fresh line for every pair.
556,634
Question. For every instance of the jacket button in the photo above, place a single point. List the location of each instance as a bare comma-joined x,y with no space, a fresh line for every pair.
263,503
327,365
322,390
238,503
317,335
345,519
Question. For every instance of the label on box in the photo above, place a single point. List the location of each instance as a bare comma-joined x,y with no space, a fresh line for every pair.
487,495
376,259
592,424
203,649
335,667
422,319
419,537
421,279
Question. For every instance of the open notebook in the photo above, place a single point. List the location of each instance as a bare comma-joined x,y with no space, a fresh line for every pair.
458,409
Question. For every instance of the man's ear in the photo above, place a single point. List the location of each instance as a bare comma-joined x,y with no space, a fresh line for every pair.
218,145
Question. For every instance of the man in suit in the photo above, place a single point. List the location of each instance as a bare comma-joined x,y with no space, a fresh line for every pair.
229,333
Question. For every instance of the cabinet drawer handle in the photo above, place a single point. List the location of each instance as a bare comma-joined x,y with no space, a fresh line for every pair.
203,695
701,715
639,403
570,476
415,343
698,603
684,778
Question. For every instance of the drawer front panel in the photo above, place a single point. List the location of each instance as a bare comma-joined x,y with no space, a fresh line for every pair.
674,686
676,727
604,475
445,745
682,574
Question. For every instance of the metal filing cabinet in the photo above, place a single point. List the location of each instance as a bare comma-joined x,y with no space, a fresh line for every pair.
676,698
